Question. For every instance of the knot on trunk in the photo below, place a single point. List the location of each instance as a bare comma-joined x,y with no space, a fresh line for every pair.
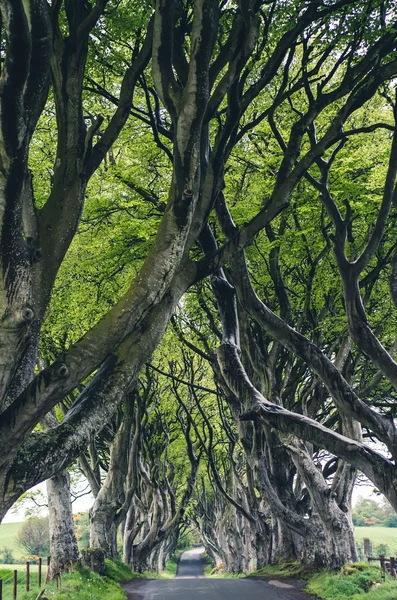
27,314
63,371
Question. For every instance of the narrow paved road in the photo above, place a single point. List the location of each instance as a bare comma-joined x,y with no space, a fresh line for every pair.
190,584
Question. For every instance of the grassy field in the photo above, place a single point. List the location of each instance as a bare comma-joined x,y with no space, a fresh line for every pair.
8,535
22,567
6,574
378,535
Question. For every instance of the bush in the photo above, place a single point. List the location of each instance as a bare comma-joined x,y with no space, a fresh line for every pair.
6,557
382,549
391,521
353,579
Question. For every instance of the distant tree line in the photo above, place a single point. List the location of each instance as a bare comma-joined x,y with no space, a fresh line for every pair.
368,513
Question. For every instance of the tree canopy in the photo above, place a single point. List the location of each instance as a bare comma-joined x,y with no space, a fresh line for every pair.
201,195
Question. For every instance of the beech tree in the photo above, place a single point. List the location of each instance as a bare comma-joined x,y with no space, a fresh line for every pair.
148,484
202,76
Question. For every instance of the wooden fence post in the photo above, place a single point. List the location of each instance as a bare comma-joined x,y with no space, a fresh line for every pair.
392,566
27,576
367,547
40,572
47,575
382,566
14,593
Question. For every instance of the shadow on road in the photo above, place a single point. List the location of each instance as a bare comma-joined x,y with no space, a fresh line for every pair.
191,563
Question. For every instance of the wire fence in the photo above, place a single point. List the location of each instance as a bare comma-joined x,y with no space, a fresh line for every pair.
17,581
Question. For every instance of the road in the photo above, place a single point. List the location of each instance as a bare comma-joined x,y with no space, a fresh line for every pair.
190,584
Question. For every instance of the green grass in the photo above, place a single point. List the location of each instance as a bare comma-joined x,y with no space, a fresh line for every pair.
118,571
284,569
171,566
378,535
7,575
209,567
8,539
82,584
22,567
353,582
360,581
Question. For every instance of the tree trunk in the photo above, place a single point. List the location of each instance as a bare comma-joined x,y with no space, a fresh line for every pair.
63,544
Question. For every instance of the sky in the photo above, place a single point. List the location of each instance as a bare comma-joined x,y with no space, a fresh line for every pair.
84,503
17,513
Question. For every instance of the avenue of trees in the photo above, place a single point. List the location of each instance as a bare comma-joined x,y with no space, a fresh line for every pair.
199,271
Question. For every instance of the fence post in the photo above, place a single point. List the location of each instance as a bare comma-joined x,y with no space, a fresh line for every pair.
27,576
392,566
382,566
14,593
367,547
40,572
47,575
1,589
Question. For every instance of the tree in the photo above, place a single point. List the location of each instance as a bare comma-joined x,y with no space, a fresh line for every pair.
34,536
366,510
7,556
202,96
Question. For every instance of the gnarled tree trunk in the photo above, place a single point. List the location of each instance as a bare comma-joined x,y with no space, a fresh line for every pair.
63,544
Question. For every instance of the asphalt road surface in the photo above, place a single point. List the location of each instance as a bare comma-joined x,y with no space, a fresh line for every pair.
190,584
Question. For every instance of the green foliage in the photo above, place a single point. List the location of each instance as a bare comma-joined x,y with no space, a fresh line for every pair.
118,571
368,512
5,573
82,529
391,521
382,549
187,540
171,566
34,536
283,569
6,556
351,583
83,584
7,576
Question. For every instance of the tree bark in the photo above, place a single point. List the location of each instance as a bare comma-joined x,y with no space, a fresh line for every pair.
63,544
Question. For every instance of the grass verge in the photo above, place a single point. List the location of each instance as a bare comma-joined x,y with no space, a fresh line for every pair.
226,575
217,572
171,566
82,584
284,569
359,581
